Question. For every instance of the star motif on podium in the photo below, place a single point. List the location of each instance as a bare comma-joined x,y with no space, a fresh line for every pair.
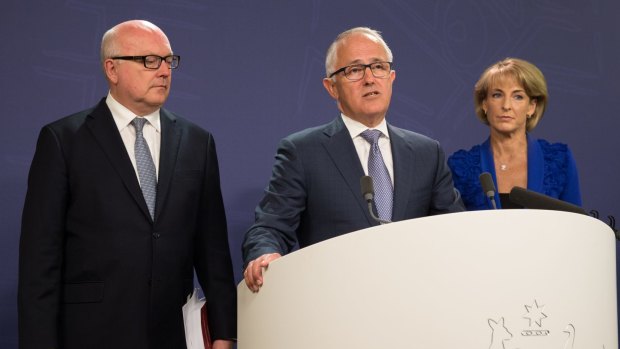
535,313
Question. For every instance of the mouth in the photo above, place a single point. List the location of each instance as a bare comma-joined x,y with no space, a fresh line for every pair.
371,94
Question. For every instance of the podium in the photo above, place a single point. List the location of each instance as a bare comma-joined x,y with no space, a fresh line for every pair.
487,279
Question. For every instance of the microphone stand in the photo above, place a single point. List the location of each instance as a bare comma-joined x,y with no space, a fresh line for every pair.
372,213
368,192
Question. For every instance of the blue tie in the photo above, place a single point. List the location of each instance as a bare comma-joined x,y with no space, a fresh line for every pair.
380,176
146,166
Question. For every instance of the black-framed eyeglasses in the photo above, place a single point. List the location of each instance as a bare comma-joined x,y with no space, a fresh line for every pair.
355,72
153,61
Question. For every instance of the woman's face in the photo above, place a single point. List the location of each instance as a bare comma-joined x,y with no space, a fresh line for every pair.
507,106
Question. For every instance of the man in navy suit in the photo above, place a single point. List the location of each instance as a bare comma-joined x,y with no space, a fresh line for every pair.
106,261
314,192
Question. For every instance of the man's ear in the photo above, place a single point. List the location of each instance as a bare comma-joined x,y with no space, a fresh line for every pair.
330,86
110,69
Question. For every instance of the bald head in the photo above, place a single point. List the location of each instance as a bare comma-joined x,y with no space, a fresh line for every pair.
127,33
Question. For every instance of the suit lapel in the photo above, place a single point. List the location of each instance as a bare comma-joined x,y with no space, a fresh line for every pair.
487,164
341,149
535,165
170,140
101,124
404,159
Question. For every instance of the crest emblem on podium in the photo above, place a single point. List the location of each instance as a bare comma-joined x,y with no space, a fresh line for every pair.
502,336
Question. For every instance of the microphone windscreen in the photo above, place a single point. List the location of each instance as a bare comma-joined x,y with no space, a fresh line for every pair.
486,180
532,199
367,187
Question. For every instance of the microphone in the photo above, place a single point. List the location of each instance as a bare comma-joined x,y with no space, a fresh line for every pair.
368,192
486,180
532,199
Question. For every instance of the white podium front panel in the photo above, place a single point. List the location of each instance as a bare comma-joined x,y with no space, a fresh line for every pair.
489,279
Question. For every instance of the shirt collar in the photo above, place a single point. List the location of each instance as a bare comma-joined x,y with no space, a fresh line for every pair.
356,127
123,116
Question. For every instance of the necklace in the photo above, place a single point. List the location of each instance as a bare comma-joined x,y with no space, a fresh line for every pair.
511,158
504,165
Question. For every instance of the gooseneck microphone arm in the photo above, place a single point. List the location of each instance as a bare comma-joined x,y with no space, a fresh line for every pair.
486,180
368,192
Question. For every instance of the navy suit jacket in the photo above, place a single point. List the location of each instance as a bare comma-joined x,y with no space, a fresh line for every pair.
95,271
314,193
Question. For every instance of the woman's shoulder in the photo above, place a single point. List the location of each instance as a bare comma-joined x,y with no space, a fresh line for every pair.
554,152
465,166
552,148
462,156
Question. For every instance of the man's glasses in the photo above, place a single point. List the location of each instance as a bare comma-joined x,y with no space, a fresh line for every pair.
355,72
153,61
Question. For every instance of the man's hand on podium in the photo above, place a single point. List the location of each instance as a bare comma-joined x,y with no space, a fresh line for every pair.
253,273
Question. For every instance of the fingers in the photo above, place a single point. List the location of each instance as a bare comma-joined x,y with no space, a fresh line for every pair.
253,273
251,279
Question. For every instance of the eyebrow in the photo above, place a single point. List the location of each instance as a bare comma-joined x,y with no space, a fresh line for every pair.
500,90
372,60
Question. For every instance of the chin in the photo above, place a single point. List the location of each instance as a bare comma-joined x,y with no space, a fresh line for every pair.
376,112
159,98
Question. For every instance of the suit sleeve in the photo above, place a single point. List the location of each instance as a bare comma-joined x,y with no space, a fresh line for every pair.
213,261
41,245
278,214
446,198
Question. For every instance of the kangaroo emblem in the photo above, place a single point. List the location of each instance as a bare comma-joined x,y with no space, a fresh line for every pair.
499,334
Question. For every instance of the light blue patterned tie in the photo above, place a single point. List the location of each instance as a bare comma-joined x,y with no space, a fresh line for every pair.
380,176
146,166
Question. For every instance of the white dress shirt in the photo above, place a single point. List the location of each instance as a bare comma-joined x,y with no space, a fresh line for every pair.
151,131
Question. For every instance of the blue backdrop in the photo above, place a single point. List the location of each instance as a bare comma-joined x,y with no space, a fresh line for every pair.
251,73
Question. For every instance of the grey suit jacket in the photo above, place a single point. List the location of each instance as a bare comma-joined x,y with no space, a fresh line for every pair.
314,193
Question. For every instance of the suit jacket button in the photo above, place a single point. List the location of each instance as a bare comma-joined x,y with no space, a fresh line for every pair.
156,235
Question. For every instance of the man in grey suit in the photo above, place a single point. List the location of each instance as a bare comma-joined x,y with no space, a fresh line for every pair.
314,192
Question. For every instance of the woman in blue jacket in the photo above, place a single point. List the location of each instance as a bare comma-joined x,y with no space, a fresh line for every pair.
510,97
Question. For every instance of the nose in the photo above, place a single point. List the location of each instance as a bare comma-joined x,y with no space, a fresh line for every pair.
368,76
164,70
506,104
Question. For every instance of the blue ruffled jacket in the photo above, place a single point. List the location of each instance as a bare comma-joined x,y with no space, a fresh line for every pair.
551,170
